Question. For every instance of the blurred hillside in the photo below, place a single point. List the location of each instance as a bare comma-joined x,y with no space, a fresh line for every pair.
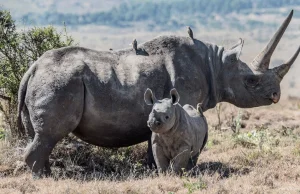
114,23
158,14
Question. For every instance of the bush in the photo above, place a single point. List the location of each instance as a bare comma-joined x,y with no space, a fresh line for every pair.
18,50
261,139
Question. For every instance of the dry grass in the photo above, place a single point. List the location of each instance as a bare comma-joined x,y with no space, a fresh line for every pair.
263,158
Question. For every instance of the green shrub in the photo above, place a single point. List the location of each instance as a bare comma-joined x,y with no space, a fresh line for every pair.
18,50
261,139
193,186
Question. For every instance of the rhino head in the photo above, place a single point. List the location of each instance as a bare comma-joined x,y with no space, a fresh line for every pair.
253,85
163,114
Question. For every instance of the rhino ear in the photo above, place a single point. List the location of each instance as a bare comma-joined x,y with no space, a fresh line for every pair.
234,53
174,96
149,97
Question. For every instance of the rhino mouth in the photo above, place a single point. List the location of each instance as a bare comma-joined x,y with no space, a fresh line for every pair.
155,129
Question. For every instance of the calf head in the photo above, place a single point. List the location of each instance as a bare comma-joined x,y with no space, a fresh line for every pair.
163,115
255,84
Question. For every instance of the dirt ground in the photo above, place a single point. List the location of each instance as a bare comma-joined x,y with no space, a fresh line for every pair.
248,151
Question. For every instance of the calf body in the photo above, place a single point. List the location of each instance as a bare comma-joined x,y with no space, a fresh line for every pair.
179,133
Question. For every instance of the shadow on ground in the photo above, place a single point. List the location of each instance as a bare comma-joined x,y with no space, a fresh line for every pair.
212,168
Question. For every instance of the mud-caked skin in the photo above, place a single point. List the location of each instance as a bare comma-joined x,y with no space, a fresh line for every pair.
179,133
98,95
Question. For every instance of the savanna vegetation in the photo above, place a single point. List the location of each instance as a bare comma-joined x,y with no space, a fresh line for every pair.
248,150
18,50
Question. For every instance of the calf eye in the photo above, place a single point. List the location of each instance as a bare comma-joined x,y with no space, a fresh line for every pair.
167,117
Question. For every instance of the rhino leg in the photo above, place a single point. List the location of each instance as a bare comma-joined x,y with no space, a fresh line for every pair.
52,119
180,162
47,170
37,154
161,160
192,161
150,159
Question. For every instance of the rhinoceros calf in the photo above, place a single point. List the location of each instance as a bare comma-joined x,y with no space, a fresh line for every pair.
179,133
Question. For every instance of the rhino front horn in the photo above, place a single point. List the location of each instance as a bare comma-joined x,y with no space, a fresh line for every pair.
261,62
284,68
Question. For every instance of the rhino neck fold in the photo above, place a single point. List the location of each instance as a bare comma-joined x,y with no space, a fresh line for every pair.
214,62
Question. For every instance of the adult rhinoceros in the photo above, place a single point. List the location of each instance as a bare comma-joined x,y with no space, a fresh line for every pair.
98,96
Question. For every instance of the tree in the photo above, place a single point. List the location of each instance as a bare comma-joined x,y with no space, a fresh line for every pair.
18,50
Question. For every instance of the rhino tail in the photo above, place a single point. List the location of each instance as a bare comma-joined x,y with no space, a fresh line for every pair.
21,99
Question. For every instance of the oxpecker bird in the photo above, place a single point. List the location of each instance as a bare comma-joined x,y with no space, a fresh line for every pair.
190,32
134,44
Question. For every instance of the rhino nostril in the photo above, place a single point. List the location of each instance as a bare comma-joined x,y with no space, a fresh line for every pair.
275,97
157,122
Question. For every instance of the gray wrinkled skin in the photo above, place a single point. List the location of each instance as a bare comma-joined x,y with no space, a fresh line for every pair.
179,133
98,95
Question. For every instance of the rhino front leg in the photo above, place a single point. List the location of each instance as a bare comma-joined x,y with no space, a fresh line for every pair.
47,170
180,162
161,160
150,158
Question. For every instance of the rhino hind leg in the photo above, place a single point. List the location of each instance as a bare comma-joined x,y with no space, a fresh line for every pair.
37,154
52,121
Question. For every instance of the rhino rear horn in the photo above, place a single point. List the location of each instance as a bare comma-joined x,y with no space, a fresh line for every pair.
261,62
284,68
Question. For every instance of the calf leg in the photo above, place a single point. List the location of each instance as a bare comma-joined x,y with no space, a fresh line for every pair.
180,162
192,161
161,160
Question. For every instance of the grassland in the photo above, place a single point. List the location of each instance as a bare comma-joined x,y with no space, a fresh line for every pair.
248,151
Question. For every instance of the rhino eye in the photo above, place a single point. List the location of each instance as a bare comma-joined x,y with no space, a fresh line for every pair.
233,60
252,81
167,117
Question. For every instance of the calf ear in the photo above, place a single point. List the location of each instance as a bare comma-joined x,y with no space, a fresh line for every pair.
234,53
174,96
149,97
